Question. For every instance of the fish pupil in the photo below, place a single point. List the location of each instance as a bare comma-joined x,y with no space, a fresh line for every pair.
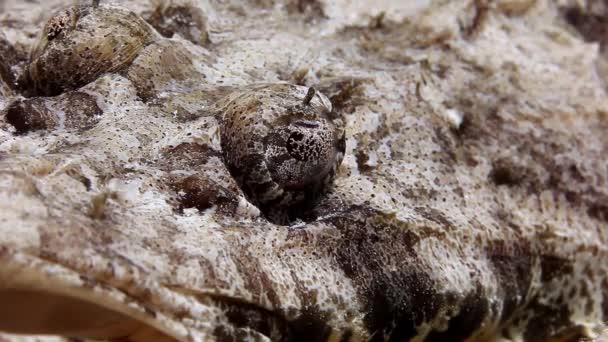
297,147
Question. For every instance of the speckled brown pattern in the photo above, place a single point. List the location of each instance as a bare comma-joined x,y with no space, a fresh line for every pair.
471,202
79,44
283,144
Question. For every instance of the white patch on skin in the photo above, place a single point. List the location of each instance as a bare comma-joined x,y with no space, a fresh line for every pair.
454,117
345,13
349,163
246,209
372,159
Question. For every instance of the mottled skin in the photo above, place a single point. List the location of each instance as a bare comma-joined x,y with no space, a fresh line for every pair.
283,146
470,203
80,43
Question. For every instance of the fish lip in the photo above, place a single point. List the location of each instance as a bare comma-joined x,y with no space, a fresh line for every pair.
46,280
59,290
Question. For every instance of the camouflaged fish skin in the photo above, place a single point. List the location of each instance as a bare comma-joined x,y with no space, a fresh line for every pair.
470,204
80,43
283,145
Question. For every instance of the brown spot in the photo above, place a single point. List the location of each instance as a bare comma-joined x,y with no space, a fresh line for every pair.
436,216
395,300
150,312
200,193
311,9
80,112
515,7
473,310
186,20
328,204
598,211
298,75
481,9
309,324
98,205
512,266
28,115
506,172
345,93
547,322
187,156
362,159
76,174
249,316
377,22
592,25
554,267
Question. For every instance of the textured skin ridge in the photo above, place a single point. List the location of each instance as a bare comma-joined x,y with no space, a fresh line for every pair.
470,204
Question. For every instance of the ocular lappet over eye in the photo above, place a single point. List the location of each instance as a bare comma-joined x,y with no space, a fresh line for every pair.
283,146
